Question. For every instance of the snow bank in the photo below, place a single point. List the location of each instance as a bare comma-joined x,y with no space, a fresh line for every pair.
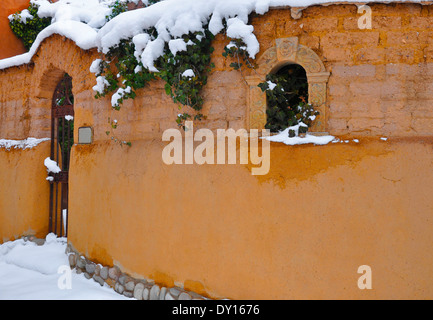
172,19
21,144
31,272
44,259
77,20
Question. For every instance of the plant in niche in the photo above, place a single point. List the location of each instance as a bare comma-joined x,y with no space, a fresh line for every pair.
287,94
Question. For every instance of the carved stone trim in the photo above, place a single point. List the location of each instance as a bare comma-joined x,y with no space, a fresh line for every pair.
296,13
267,61
318,77
285,51
257,104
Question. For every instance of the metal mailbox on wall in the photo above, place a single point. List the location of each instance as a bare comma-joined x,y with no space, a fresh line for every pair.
85,135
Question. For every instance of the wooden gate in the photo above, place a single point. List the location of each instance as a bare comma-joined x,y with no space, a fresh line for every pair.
62,139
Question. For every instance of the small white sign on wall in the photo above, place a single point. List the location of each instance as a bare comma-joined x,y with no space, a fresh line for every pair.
85,135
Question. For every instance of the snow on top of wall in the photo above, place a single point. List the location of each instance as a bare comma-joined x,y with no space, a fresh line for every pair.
90,12
83,35
21,144
84,22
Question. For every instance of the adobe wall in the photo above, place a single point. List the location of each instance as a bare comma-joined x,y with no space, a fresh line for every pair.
380,78
23,200
299,232
379,83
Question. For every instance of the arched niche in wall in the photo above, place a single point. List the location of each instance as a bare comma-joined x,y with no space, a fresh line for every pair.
285,51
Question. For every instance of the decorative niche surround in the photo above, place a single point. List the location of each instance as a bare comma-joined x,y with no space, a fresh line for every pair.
286,51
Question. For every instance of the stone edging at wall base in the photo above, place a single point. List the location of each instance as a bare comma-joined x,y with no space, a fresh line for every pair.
122,283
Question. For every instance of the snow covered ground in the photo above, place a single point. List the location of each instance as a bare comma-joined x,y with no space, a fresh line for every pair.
32,272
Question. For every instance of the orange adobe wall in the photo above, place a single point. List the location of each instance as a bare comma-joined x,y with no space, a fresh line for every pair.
299,232
10,44
23,205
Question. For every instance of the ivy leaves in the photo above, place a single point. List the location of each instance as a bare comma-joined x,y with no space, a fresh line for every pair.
237,50
117,7
28,28
197,57
128,74
286,93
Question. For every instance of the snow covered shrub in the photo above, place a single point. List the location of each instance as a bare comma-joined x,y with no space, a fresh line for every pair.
182,63
26,24
169,40
236,50
117,7
185,72
172,41
287,93
183,66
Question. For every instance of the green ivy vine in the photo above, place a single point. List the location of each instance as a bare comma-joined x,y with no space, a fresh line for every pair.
28,29
117,7
287,104
287,94
122,73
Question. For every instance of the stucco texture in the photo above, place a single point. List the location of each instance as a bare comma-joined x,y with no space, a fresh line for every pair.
301,231
23,200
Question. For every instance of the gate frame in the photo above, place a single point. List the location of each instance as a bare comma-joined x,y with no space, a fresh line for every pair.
58,113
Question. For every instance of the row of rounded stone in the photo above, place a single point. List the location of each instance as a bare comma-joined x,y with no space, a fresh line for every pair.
140,289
